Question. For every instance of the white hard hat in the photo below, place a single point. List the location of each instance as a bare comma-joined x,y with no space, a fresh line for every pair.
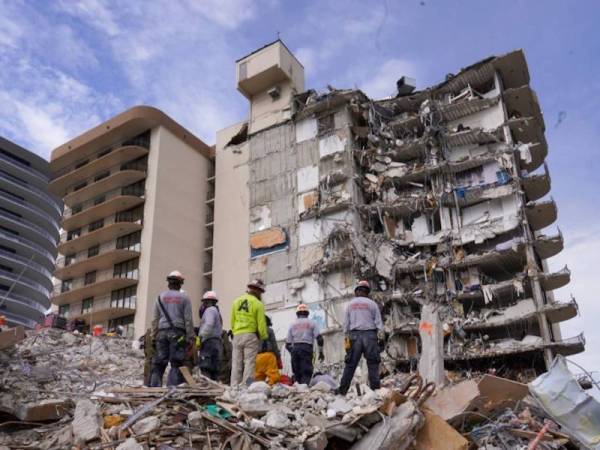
176,274
210,295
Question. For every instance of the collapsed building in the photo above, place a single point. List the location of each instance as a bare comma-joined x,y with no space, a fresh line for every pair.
437,197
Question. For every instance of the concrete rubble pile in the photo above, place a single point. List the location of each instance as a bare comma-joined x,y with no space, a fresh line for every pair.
94,400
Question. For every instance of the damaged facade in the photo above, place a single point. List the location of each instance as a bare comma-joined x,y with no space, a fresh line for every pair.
438,197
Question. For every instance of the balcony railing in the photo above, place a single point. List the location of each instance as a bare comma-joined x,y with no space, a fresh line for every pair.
104,248
208,266
44,196
22,299
36,211
210,217
22,279
27,224
140,166
208,242
30,170
26,262
106,197
26,242
142,140
103,275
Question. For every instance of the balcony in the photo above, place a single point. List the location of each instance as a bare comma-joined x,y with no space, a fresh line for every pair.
102,310
108,256
72,176
541,214
32,194
114,227
28,230
22,304
208,268
208,243
25,285
549,246
24,170
210,219
105,282
120,176
27,246
19,320
555,280
210,196
569,346
114,201
536,185
528,130
29,212
31,268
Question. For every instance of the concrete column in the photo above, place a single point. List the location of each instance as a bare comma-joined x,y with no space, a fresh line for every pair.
431,363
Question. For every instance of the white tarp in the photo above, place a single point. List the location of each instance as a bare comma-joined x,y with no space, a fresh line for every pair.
566,403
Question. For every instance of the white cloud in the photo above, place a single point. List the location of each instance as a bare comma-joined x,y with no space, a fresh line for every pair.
47,106
382,83
581,255
97,13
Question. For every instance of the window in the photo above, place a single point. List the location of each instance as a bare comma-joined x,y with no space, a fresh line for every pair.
66,285
99,199
76,209
104,152
8,230
80,186
86,305
7,249
13,196
11,213
126,322
82,163
73,234
63,310
6,268
136,189
95,225
141,140
90,278
126,269
102,175
93,251
136,164
123,298
69,259
325,124
15,158
130,241
130,215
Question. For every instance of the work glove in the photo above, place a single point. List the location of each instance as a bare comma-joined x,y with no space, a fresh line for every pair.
347,344
279,363
321,355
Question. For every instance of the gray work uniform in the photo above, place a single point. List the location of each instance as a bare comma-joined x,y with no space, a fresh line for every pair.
362,314
300,339
211,347
362,321
171,340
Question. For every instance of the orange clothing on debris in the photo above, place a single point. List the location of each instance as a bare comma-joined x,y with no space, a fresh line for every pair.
266,367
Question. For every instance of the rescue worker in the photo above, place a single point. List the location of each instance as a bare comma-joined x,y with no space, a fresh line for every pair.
300,339
225,370
211,328
173,330
364,331
268,360
249,328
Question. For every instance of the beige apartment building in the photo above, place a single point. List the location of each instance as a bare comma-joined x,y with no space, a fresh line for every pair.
138,193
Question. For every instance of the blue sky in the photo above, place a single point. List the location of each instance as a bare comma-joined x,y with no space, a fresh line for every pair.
66,65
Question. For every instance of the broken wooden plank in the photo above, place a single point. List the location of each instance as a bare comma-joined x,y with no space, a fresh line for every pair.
11,337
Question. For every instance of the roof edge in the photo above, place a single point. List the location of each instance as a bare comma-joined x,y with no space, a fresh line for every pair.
139,116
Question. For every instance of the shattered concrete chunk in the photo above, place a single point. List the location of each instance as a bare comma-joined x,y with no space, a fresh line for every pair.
317,442
340,405
130,444
277,418
87,421
259,387
146,425
195,418
321,386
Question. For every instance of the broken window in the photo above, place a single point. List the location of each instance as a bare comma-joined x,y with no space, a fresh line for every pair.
325,124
